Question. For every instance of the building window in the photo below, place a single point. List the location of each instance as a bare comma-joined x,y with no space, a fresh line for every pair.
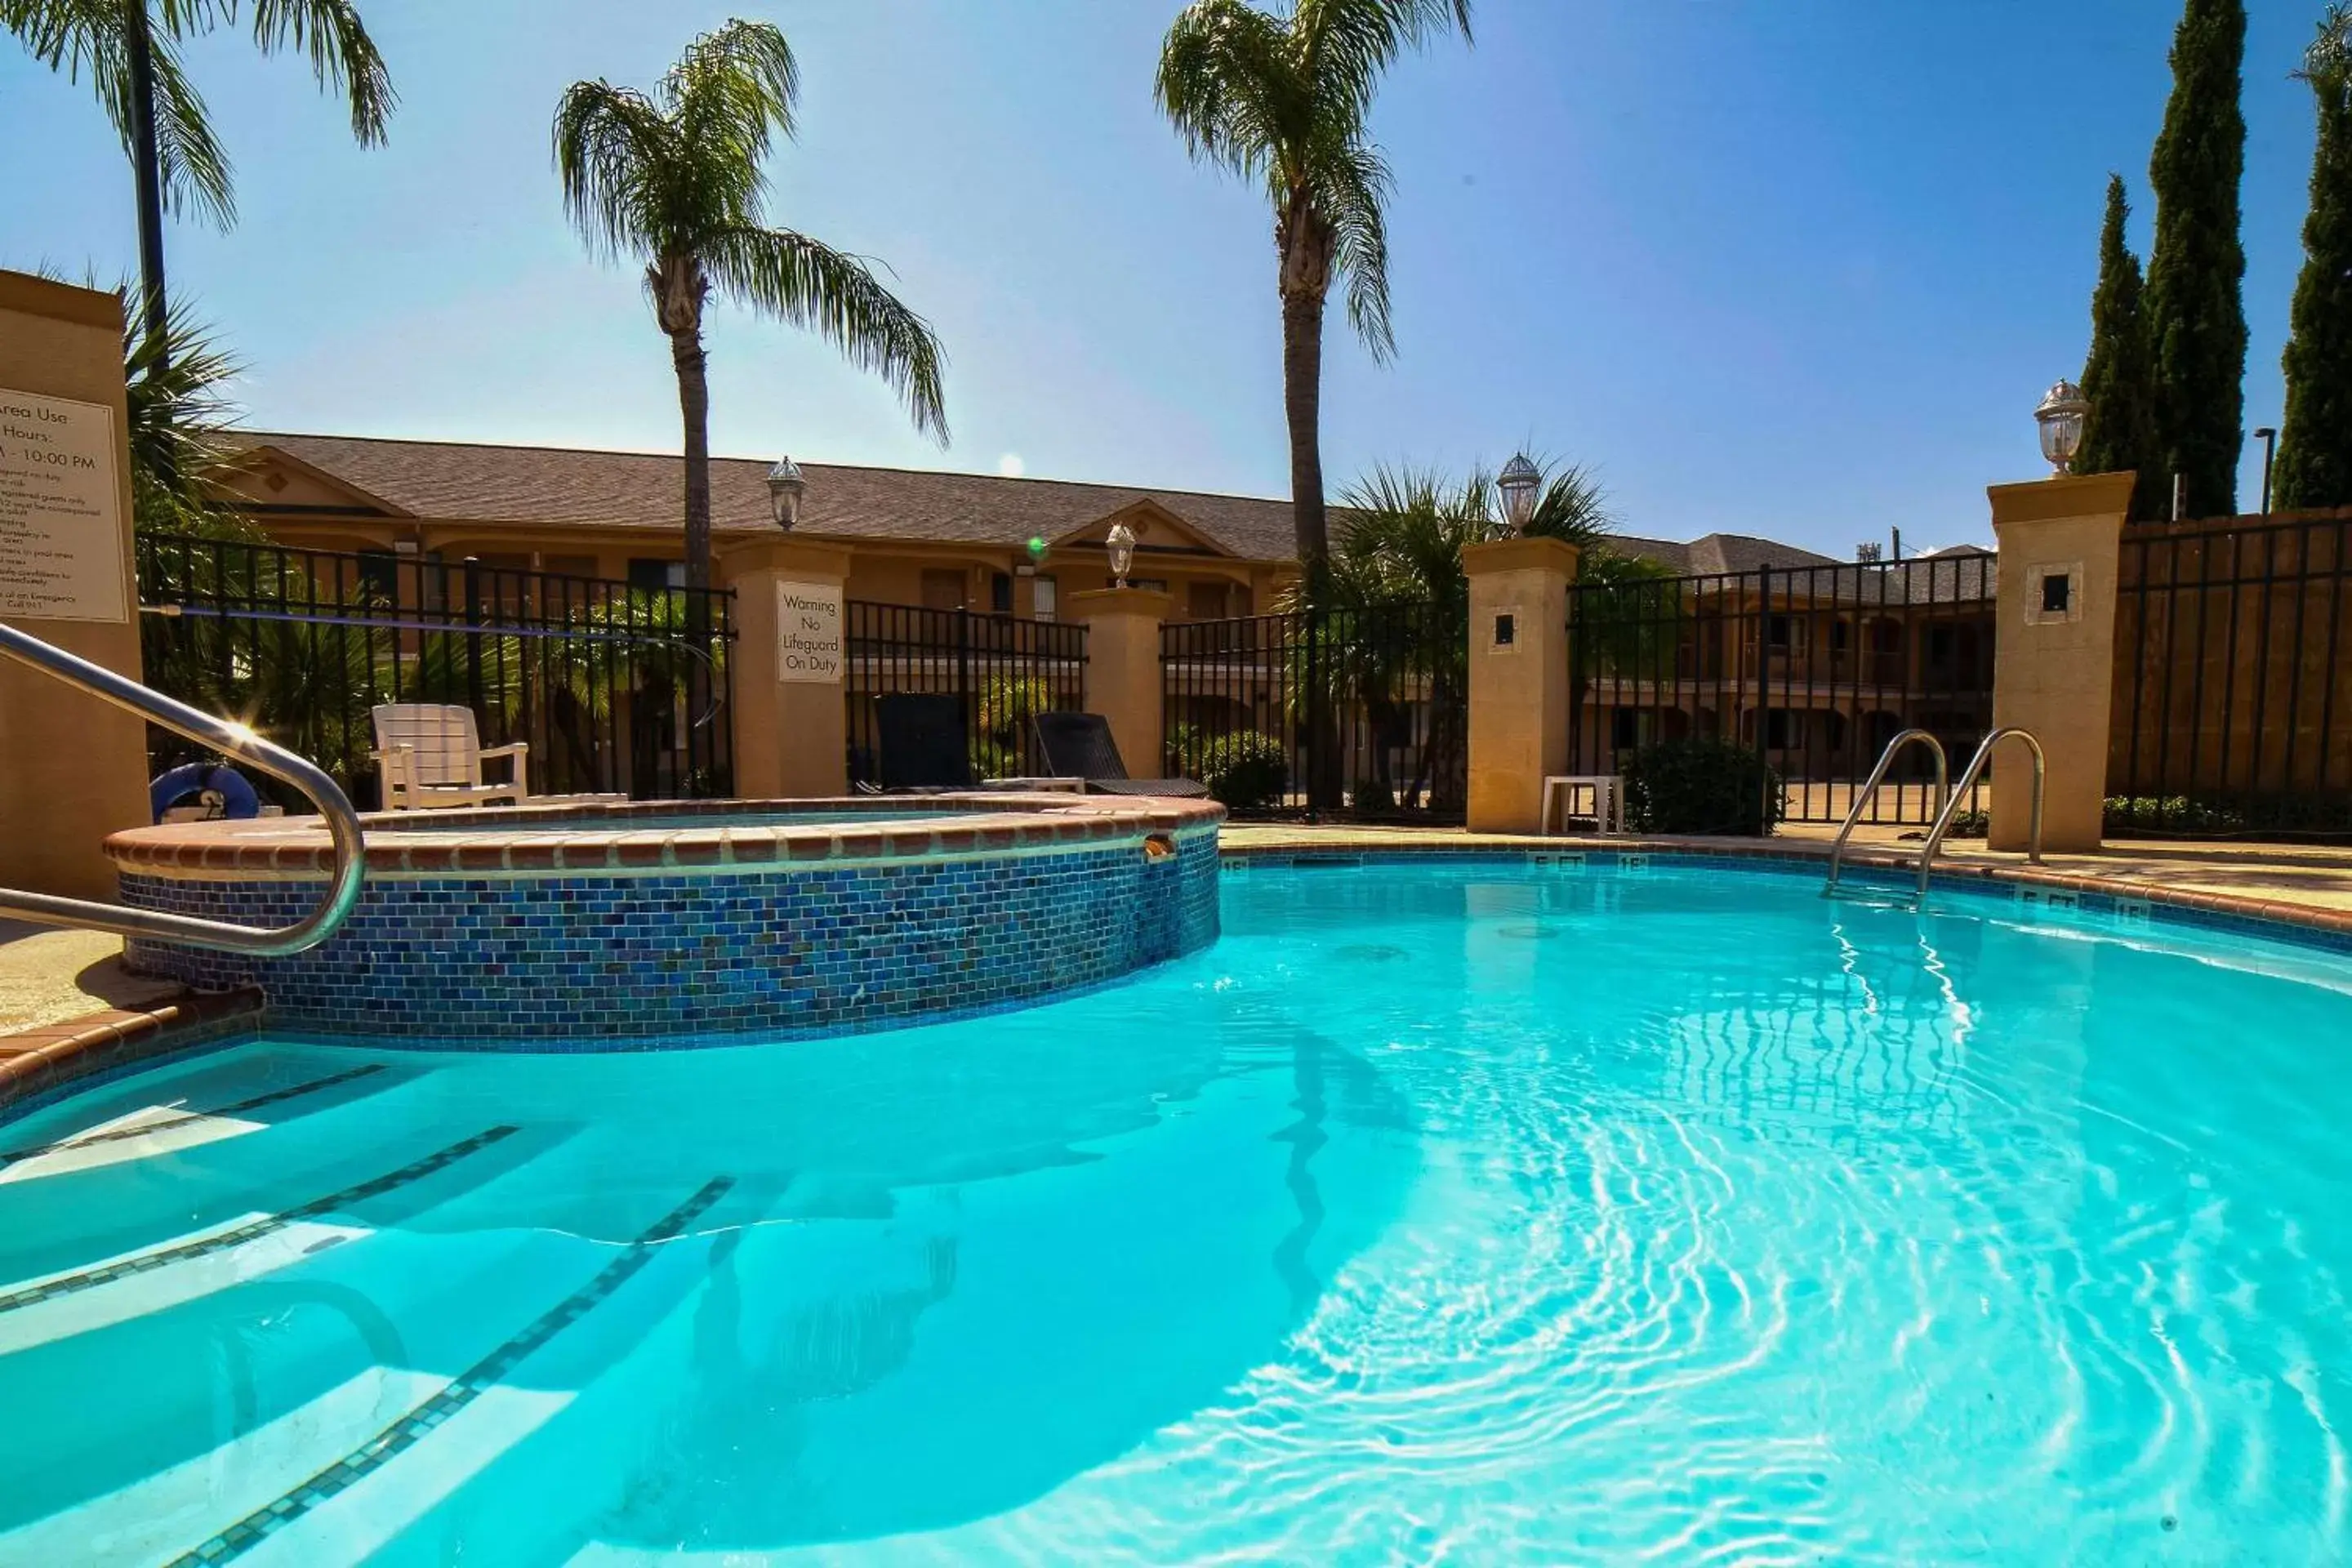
1042,598
652,576
1784,632
380,576
943,590
1000,593
1205,601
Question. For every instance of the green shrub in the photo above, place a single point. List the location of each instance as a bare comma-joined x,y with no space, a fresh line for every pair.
1701,785
1372,795
2170,813
1244,769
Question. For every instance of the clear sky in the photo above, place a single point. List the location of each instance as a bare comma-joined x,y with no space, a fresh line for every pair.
1798,268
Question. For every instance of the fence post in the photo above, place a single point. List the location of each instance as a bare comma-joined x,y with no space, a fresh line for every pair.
790,722
75,768
1123,682
2054,650
1520,684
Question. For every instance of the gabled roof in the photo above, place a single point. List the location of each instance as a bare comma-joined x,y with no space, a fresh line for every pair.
1717,552
573,487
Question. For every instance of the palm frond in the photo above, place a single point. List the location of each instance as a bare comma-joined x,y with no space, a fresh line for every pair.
343,58
87,36
837,294
1349,44
614,152
1228,82
1355,187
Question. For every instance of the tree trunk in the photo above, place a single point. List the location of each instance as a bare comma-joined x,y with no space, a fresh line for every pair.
1302,407
1302,400
694,405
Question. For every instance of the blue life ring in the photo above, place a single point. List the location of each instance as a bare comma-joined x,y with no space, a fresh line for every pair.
228,792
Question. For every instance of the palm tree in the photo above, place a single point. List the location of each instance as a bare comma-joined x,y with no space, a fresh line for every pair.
676,176
1285,101
1391,627
176,387
132,55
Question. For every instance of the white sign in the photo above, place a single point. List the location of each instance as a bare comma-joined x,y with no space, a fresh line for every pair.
808,632
61,512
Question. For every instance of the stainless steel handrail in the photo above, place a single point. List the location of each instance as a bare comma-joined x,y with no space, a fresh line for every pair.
234,740
1878,775
1969,777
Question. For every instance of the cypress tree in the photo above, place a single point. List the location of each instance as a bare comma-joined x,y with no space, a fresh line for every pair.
2197,322
2315,457
2118,378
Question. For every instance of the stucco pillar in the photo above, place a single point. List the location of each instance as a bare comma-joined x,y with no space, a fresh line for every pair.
1518,678
72,769
792,722
2054,651
1123,669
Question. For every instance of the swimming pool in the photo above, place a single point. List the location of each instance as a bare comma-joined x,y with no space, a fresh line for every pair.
1490,1212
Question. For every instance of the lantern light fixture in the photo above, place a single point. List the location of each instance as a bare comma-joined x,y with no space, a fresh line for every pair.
785,487
2061,416
1518,482
1120,542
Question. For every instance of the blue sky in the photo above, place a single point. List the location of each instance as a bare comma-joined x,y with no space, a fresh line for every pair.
1797,269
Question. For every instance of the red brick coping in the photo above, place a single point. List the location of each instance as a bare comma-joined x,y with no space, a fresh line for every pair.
568,839
36,1060
2277,910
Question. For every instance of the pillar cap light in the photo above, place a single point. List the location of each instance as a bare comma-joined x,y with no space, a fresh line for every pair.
2060,417
785,487
1518,482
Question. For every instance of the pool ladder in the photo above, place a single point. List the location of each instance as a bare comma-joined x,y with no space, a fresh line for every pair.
1948,795
233,740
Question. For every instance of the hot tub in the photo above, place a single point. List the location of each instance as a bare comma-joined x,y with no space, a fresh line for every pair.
654,922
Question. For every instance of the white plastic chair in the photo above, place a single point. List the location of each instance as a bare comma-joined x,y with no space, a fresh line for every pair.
429,755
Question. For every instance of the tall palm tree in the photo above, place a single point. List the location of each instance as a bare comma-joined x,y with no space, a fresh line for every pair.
1285,100
131,50
676,176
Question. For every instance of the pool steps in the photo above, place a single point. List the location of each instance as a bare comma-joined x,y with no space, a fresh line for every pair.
502,1282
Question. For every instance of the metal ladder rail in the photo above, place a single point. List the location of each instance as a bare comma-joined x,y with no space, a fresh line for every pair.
236,741
1877,776
1969,777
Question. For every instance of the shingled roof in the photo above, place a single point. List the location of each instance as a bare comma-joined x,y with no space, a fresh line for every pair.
575,487
460,481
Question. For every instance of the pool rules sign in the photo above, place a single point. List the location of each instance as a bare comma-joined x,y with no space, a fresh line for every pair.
808,633
60,511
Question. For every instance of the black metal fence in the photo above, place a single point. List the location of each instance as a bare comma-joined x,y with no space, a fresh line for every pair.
1359,713
1817,667
2233,679
615,688
1004,668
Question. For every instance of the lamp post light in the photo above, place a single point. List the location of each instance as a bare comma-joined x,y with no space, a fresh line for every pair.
1518,482
785,487
2061,417
2268,437
1120,542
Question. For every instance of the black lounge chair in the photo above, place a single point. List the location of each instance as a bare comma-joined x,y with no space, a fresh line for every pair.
923,741
1078,746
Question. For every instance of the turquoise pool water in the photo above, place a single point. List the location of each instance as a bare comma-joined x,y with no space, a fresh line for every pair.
1477,1214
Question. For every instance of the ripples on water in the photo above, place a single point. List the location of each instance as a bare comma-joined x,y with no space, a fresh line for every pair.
1435,1215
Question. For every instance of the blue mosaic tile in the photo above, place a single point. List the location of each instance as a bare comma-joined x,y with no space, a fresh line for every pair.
614,957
